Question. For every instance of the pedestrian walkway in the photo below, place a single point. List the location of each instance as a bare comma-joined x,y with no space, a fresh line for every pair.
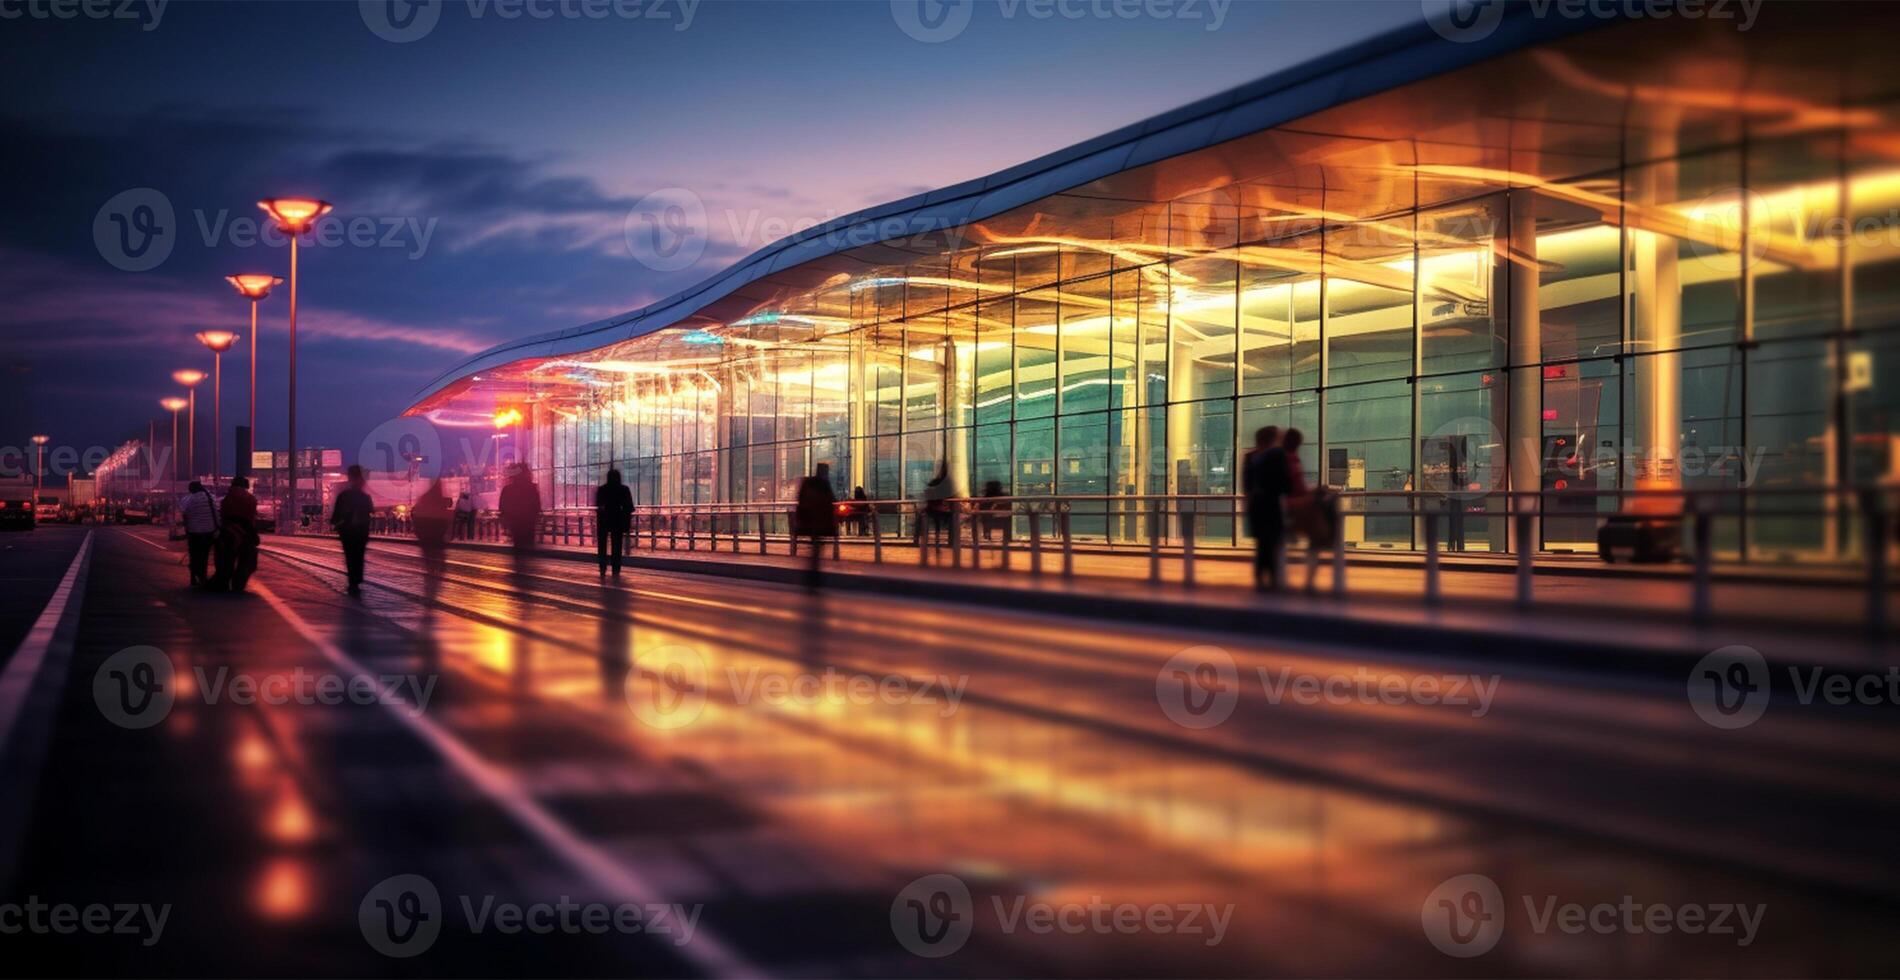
1594,619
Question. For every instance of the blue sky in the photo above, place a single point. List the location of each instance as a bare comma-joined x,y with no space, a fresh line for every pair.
483,171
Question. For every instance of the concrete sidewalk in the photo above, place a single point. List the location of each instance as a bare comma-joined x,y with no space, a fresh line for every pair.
1630,627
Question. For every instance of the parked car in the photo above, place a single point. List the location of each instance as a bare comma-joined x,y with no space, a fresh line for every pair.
17,511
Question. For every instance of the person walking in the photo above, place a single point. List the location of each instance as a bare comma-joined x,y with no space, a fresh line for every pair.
613,517
816,516
350,518
521,513
860,511
431,515
465,516
199,514
237,538
1264,479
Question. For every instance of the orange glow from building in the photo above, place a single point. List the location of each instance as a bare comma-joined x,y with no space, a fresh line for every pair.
294,215
507,417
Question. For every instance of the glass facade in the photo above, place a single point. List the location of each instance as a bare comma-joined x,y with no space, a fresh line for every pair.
1686,304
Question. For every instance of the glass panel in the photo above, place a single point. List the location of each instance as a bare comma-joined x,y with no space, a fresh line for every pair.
1035,338
1279,316
1368,303
1368,447
1581,450
1461,288
1789,429
1461,458
1201,312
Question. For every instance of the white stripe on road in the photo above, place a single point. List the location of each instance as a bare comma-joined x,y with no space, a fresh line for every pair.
21,671
600,869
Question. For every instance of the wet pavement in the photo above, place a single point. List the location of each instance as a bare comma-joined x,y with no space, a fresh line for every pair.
836,784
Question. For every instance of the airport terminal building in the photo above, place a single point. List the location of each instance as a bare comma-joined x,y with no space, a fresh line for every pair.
1552,255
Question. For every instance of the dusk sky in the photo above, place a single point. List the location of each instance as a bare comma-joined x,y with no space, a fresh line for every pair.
496,159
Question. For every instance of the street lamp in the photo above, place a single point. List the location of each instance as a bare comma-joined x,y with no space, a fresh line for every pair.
173,405
190,379
294,216
218,341
254,287
39,469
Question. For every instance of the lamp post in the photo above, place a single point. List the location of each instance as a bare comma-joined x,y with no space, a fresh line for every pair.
190,379
218,341
293,216
254,287
39,469
173,405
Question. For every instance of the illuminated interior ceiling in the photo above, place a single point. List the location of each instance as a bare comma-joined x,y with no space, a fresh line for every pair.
1542,104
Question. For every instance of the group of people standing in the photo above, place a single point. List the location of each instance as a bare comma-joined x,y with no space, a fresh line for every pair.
220,534
1279,500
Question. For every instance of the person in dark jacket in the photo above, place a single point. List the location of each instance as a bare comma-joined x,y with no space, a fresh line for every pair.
817,515
521,508
237,537
351,518
432,515
613,517
1264,479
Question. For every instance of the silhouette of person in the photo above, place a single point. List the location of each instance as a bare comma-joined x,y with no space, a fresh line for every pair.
613,517
432,515
199,513
351,517
521,515
816,515
1264,481
465,516
238,537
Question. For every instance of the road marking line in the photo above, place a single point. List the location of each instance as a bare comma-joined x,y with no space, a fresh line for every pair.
30,655
601,870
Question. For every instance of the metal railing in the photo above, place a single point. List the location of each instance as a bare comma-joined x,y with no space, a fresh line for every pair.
1678,525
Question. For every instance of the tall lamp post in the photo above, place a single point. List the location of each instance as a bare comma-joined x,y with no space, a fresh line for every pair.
218,341
254,287
39,469
173,405
293,216
190,379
